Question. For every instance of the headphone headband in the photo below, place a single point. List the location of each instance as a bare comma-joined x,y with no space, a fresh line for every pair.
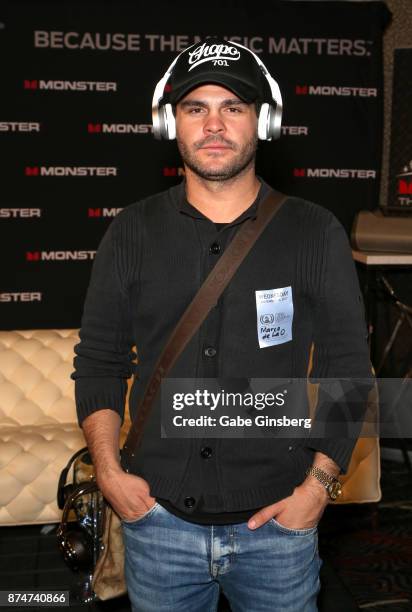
270,115
61,490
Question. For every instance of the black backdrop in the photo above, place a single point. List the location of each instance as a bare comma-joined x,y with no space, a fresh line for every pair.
75,133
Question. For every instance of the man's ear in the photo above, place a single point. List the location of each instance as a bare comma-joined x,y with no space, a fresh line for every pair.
258,106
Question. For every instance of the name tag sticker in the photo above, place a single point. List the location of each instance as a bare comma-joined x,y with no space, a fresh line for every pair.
274,308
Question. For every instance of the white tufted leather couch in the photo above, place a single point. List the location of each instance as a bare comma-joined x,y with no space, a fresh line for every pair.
38,423
39,431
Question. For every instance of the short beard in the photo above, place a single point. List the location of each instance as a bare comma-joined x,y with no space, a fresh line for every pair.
236,167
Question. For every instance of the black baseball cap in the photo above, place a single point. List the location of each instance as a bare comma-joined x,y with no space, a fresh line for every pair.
219,61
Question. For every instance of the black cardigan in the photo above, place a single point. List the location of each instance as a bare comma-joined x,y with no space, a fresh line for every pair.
150,263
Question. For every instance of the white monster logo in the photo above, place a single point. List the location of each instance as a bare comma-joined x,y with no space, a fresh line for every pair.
218,54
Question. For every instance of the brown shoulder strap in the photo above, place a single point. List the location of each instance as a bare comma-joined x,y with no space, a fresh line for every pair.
199,308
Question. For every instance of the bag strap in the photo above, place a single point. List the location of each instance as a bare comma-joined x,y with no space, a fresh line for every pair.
197,311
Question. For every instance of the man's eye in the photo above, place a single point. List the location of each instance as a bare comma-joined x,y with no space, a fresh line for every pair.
195,110
234,109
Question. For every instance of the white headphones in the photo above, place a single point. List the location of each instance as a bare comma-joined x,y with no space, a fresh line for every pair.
270,116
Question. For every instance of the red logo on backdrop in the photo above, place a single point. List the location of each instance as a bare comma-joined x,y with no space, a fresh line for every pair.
31,171
119,128
299,172
59,85
167,171
341,173
30,84
301,90
34,256
336,90
103,212
405,180
405,186
94,128
60,255
58,171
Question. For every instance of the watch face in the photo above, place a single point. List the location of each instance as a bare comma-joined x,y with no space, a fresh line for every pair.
334,489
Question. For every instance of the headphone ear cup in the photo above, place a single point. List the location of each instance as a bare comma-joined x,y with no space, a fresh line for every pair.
274,123
268,123
263,122
78,549
168,122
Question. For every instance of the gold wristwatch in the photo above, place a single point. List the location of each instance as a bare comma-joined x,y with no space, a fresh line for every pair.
331,484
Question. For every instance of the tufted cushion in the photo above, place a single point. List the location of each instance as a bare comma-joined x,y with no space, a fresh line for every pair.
38,422
31,460
35,384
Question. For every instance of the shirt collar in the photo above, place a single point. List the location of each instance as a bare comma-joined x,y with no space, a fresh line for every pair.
184,207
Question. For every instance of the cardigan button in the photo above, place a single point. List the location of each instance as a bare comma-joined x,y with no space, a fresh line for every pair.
215,248
210,351
206,452
189,502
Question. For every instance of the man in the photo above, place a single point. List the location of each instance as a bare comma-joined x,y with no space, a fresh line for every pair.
199,514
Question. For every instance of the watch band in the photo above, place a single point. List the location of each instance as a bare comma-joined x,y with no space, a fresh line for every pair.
331,483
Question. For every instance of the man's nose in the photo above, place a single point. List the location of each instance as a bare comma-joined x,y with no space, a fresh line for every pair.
214,124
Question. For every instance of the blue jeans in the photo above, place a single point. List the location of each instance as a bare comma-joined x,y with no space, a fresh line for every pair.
176,566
